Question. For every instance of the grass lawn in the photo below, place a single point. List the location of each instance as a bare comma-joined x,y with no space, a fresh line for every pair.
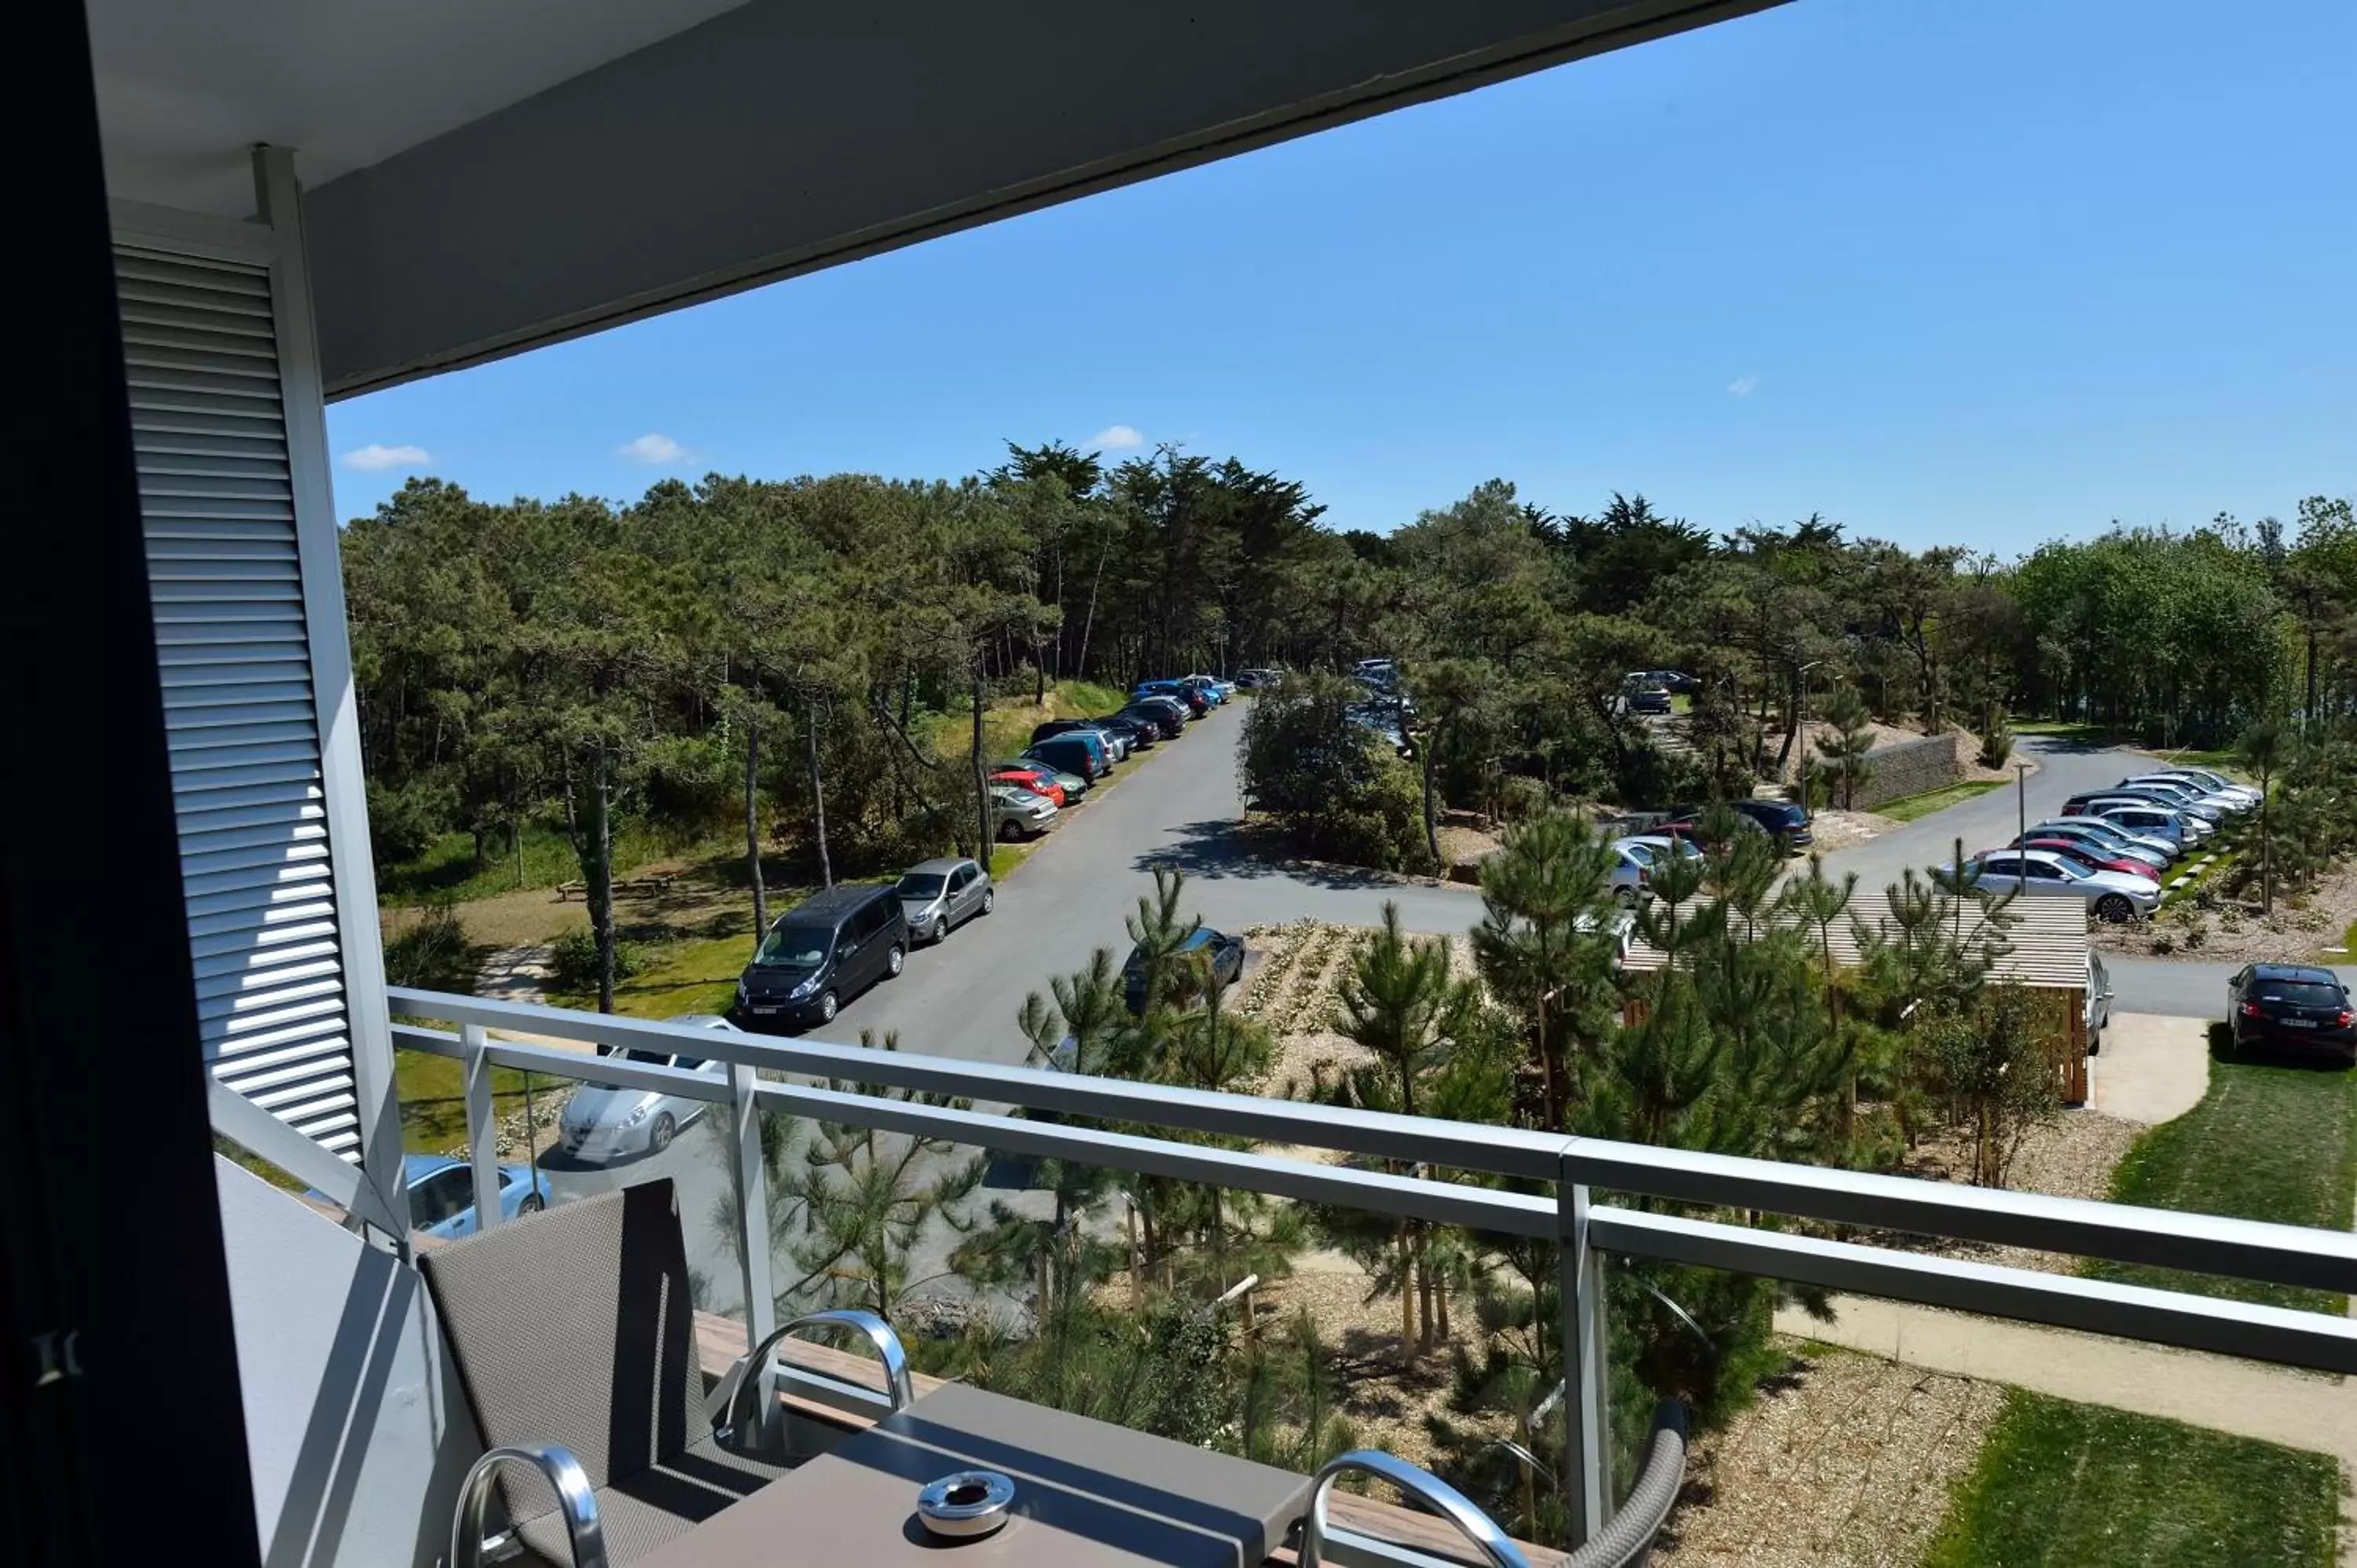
432,1092
2085,735
2225,759
1007,725
2274,1139
1907,807
2348,947
696,976
2077,1486
447,871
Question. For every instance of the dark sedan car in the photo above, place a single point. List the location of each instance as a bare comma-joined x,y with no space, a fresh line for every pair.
1141,730
1226,957
2291,1004
1168,711
1195,701
1780,820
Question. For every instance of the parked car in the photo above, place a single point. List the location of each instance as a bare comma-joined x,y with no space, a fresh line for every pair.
2109,838
1675,681
820,954
2031,872
2138,813
1215,691
937,896
1638,857
1167,713
2088,856
1256,680
2212,778
1650,699
1079,752
1197,703
2291,1004
605,1122
1114,741
1780,820
2197,815
2209,805
442,1193
2200,794
1140,730
1036,777
1021,812
1073,785
1226,958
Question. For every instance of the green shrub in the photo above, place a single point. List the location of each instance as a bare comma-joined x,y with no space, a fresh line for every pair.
1521,797
1335,786
573,961
1997,744
432,954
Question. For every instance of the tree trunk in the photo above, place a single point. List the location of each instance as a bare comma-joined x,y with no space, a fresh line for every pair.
753,828
2266,853
1431,825
983,835
1089,621
1408,1289
515,841
818,789
1792,721
599,873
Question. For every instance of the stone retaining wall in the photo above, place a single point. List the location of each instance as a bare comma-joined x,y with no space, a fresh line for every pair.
1913,766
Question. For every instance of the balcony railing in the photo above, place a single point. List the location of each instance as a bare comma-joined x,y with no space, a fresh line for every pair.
1557,1177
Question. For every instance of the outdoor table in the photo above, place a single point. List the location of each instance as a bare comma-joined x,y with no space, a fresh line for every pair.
1088,1495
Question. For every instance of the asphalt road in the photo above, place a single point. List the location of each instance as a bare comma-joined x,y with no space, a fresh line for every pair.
1174,804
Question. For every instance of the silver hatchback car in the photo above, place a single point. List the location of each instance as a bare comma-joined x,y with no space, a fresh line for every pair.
941,894
606,1121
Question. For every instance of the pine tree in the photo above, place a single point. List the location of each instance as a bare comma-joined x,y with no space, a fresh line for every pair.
1843,748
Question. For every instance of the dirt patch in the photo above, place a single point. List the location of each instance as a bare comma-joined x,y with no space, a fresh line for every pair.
2235,931
1846,1462
1466,846
2071,1157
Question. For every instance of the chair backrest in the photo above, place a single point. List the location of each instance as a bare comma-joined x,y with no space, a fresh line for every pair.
575,1326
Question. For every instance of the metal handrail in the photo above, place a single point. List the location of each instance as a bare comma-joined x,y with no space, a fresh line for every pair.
576,1499
1422,1485
732,1400
2239,1248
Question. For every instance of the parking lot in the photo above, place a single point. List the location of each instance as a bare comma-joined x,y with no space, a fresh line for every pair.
1176,804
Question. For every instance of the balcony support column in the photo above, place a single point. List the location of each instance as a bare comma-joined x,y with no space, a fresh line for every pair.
482,1123
752,1178
1587,1373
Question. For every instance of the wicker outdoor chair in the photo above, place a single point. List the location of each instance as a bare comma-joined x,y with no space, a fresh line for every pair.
573,1338
1625,1542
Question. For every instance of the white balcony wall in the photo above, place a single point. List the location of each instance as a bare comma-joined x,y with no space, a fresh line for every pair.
355,1428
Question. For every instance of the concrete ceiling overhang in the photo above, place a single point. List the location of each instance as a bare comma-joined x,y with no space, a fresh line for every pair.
543,168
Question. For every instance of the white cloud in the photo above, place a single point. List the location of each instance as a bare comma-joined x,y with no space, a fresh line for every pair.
1742,386
376,458
1117,436
652,448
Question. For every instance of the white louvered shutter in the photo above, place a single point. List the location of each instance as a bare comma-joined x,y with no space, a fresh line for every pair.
210,427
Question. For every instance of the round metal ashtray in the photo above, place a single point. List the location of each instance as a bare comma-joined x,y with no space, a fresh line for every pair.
967,1504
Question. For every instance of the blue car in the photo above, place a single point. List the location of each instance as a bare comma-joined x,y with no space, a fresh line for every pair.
442,1193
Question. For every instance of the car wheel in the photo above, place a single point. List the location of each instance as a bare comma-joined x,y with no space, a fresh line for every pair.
893,960
941,932
989,899
530,1203
827,1006
2114,908
658,1137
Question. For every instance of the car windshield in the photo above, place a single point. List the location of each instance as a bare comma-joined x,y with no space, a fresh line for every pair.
921,885
2296,993
789,946
2069,870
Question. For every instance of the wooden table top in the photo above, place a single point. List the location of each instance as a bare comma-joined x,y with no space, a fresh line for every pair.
1088,1495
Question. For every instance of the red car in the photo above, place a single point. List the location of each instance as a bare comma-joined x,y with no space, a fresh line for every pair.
1038,780
2078,853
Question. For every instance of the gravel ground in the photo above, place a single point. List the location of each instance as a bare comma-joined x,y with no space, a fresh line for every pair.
1846,1462
2301,928
2072,1157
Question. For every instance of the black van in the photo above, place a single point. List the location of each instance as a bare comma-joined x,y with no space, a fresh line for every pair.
820,955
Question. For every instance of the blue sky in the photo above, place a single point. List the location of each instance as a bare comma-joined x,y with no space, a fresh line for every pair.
1980,272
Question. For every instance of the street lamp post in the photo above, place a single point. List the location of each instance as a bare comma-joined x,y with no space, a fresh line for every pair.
2021,802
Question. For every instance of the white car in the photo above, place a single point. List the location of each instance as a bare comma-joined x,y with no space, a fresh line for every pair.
1641,854
2108,895
2219,781
2192,793
605,1122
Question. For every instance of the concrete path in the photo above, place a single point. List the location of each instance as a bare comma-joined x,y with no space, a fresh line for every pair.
521,975
2152,1068
2298,1410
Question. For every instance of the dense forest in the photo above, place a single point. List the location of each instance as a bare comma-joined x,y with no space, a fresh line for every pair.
785,655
